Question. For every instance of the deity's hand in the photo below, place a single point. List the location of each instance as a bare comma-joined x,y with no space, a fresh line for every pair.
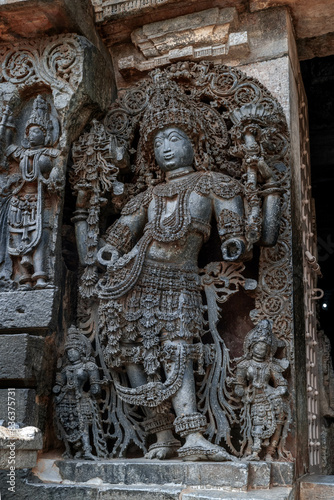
265,171
279,391
107,255
55,182
83,198
95,389
233,249
239,391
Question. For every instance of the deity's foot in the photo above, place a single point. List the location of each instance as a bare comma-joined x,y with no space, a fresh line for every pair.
254,457
26,262
204,450
25,287
89,456
163,450
42,286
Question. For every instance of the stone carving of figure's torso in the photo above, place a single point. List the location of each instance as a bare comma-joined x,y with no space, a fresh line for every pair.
179,214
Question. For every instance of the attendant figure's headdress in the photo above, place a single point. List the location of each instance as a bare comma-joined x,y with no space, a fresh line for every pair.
40,117
78,341
261,333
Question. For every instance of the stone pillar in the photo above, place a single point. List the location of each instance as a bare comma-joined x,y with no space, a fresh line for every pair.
48,83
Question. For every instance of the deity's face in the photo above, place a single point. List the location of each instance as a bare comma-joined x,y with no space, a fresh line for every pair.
73,355
173,149
36,136
260,349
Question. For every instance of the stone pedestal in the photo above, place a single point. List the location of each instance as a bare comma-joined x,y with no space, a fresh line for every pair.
154,480
19,447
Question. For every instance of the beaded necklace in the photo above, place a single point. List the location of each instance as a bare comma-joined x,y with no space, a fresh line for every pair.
175,226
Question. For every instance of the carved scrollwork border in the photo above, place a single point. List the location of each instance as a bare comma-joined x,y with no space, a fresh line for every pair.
55,61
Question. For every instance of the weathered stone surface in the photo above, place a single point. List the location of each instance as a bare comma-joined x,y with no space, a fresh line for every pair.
96,491
257,37
310,18
273,494
67,65
259,475
19,447
33,309
58,16
21,358
206,27
282,473
318,46
114,9
143,471
25,406
316,487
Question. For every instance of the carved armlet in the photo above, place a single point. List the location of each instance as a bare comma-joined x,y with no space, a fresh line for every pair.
271,188
119,236
80,214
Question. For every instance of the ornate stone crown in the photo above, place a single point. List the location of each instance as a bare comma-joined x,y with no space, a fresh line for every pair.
40,116
261,333
168,106
78,341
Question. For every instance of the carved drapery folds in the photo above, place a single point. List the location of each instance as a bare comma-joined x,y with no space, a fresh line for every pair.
142,299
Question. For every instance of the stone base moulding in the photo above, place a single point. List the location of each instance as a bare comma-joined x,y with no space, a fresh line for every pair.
19,447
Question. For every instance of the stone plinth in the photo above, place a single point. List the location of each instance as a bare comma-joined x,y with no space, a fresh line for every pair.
19,447
27,310
141,479
21,358
25,406
237,475
316,487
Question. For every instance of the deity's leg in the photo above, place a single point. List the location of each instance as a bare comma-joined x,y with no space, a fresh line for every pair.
191,424
22,264
166,445
39,255
257,433
23,271
273,443
87,449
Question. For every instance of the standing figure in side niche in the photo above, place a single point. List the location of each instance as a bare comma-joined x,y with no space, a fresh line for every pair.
30,208
151,311
263,391
77,387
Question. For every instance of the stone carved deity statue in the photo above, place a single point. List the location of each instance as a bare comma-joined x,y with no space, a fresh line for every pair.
27,200
77,389
151,311
263,391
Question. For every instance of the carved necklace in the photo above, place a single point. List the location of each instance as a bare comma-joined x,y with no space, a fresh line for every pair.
30,172
174,226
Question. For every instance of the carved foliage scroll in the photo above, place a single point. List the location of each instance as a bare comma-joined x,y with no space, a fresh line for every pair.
53,61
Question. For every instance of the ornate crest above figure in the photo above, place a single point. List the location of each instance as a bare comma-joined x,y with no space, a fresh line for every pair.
30,182
191,166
